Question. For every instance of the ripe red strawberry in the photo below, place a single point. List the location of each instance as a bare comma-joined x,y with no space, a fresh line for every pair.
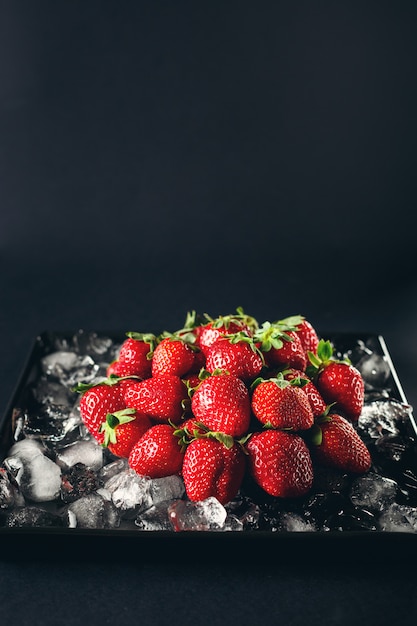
222,403
162,398
123,429
157,453
173,356
308,335
336,443
237,355
280,463
96,402
279,404
317,403
134,356
212,469
281,347
208,333
338,381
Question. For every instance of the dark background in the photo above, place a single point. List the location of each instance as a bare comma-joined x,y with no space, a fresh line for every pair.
157,157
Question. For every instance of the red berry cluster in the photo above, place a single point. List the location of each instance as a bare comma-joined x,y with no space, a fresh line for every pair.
227,396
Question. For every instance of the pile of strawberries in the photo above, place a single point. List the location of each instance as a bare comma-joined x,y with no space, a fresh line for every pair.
225,398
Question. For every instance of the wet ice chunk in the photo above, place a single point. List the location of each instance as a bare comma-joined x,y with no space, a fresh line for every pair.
208,514
9,492
382,417
399,518
375,370
39,478
87,452
167,488
113,468
155,518
32,516
51,422
70,368
294,523
51,392
373,492
93,511
129,492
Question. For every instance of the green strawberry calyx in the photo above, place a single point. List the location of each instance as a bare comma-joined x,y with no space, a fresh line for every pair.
113,420
272,335
280,381
315,433
240,317
320,359
110,381
201,431
148,338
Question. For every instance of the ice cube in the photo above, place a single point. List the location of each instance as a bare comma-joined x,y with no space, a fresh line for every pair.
208,514
51,422
39,479
9,492
167,488
399,518
70,368
382,417
375,370
233,524
155,517
294,523
47,391
87,452
25,449
129,492
32,516
373,492
113,468
93,511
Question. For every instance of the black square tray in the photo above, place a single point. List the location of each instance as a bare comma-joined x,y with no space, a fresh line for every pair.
75,542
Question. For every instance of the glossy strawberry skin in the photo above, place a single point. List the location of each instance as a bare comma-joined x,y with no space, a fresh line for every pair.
128,434
157,453
211,469
132,359
222,403
291,354
308,336
96,403
209,333
280,463
238,358
341,446
172,356
315,398
286,407
160,397
343,384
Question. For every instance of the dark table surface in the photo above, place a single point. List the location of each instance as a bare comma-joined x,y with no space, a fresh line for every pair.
162,157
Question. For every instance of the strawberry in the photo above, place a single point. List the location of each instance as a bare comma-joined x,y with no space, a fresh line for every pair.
308,335
280,463
122,430
222,403
208,333
338,381
335,443
236,354
210,468
162,398
134,356
157,453
97,402
281,346
277,403
174,356
317,403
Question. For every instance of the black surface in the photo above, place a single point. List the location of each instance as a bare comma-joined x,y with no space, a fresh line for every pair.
158,157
